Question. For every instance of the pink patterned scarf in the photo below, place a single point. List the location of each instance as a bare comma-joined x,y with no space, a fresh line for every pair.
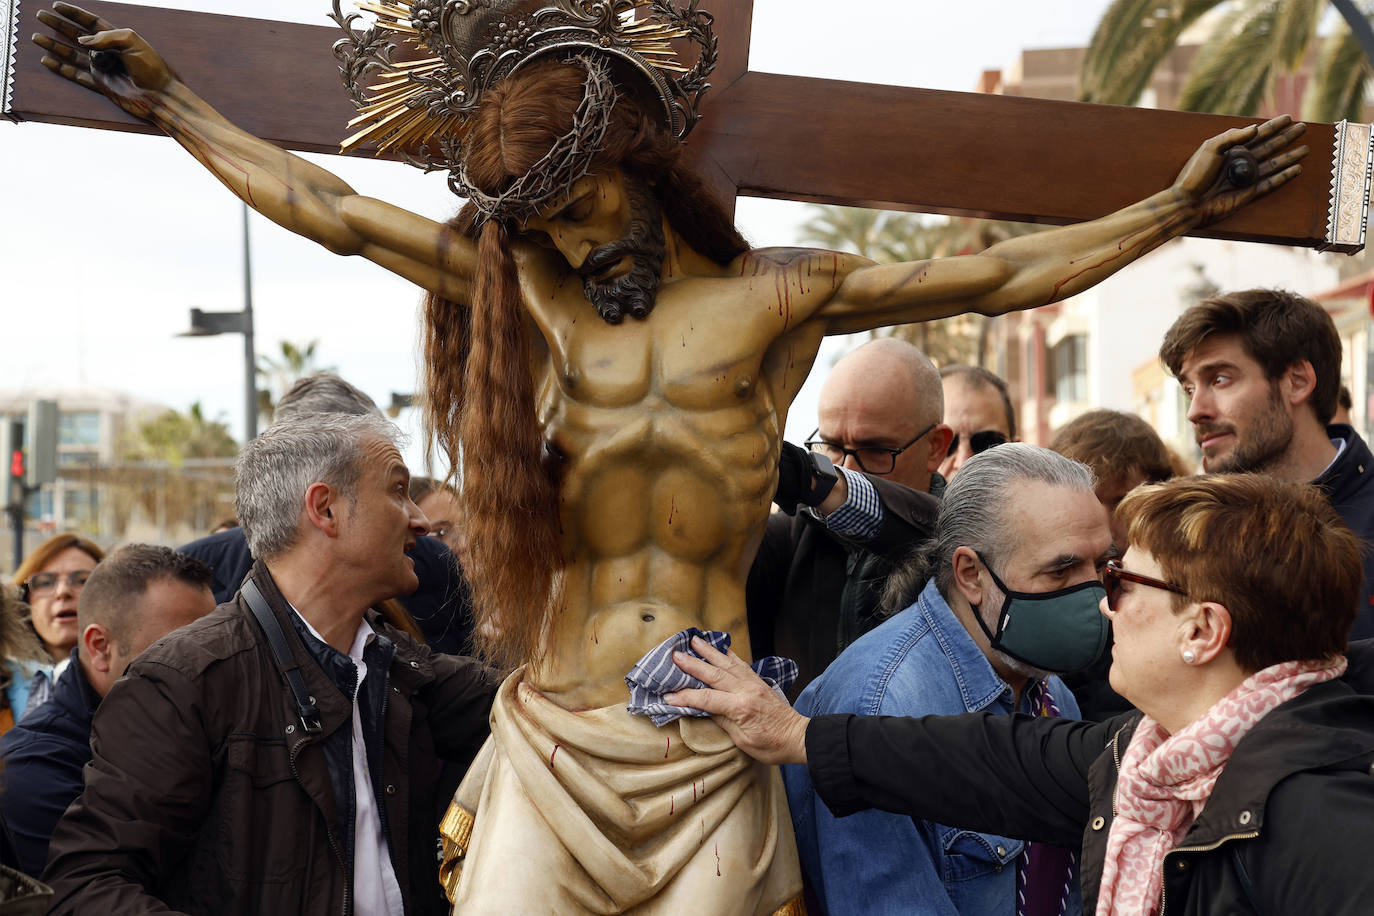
1166,779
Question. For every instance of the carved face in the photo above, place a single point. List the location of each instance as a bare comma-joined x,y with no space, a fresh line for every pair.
610,230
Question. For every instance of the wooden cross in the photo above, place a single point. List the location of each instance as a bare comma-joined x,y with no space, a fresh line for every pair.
765,134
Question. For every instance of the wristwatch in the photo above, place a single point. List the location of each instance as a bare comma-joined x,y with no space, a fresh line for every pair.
823,478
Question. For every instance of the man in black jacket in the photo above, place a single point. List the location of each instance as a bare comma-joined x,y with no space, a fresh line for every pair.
283,754
134,597
1262,372
815,584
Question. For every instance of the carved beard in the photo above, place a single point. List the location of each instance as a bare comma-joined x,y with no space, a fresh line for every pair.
636,290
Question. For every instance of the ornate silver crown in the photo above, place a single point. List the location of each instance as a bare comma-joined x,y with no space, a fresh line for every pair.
422,66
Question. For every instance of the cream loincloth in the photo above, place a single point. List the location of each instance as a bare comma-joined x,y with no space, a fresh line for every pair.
600,812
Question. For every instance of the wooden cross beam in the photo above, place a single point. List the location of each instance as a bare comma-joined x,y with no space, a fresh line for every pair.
765,134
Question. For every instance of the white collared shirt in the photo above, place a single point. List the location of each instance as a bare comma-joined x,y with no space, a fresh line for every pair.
375,889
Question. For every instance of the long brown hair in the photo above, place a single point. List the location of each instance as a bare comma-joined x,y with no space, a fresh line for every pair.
480,402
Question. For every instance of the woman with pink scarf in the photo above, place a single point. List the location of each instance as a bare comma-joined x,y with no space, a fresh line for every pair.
1245,783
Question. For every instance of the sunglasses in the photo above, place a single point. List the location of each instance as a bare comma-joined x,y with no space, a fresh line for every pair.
1113,575
980,441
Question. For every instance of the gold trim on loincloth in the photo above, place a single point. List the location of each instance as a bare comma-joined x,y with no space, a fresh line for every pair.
455,831
794,907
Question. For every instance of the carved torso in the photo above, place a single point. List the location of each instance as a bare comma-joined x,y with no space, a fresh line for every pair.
669,431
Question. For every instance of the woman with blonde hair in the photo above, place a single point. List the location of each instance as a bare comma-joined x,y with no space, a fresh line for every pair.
50,580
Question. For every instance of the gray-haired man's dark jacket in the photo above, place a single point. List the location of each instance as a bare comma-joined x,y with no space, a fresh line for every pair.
207,795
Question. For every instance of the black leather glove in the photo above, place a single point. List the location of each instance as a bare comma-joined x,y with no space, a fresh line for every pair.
794,478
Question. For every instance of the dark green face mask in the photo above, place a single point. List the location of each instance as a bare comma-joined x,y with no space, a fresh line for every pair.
1058,631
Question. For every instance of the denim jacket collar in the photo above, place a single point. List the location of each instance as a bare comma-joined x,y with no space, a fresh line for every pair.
979,685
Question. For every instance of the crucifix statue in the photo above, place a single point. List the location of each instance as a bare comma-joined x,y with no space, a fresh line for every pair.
612,366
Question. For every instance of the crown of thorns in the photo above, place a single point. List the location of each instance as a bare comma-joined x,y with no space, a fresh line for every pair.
422,67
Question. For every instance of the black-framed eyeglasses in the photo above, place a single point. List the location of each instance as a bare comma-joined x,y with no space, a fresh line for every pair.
44,582
1113,575
875,459
980,441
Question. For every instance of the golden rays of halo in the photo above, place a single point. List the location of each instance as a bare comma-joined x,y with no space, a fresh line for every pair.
393,123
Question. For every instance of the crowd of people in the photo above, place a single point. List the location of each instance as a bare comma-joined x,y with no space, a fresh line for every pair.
1082,678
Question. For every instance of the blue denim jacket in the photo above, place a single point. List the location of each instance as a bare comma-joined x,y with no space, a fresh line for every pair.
921,662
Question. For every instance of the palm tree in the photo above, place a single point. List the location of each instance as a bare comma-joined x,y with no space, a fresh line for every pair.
1251,44
176,467
278,374
889,238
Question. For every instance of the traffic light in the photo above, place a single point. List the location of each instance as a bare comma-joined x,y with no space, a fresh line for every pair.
12,447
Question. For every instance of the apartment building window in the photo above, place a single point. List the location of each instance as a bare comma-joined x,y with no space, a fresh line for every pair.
1071,368
79,427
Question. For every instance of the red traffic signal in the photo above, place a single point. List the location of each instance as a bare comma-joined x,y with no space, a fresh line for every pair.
17,463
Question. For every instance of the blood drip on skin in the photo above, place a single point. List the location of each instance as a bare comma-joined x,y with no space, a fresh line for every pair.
668,748
717,860
672,804
553,755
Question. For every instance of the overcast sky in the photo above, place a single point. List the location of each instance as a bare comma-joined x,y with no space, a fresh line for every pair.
107,239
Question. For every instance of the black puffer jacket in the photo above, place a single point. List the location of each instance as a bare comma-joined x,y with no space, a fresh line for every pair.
1287,829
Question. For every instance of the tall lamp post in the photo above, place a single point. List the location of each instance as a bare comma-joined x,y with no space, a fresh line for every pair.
208,324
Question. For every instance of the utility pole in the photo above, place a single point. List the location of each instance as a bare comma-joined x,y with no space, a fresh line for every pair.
208,324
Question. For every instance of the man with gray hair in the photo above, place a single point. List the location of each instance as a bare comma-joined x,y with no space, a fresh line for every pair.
134,597
283,754
441,606
1019,540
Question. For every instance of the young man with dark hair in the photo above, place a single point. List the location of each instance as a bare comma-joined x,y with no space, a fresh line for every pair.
134,597
1262,369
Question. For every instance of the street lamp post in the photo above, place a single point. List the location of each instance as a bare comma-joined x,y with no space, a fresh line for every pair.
208,324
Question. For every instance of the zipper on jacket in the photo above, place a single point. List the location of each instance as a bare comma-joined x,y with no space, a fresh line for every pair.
328,832
1116,762
1164,876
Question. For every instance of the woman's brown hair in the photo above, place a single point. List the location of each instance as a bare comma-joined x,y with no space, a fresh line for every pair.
43,554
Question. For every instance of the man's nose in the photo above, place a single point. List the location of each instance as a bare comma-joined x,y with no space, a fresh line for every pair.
1105,609
1200,408
574,246
851,462
963,453
419,522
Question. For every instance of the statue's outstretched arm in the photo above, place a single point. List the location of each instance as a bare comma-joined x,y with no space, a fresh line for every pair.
1047,266
285,188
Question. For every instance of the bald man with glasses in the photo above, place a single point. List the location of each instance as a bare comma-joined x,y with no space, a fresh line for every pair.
867,486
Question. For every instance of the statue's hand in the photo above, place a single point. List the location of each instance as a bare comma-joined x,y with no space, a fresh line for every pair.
114,62
1232,169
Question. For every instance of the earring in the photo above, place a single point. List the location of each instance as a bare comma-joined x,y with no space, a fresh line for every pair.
1189,656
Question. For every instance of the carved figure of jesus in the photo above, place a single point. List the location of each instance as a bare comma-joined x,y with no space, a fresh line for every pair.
619,365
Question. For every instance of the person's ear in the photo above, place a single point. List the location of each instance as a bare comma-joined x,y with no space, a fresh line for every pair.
967,580
98,648
1299,383
1205,632
940,438
321,508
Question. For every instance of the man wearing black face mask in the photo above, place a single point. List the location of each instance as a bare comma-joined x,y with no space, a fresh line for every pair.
1012,599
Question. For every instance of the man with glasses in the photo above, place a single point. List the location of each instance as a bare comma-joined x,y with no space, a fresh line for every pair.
1020,539
816,581
978,410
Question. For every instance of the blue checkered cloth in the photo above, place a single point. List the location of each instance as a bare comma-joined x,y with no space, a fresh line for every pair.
860,516
655,674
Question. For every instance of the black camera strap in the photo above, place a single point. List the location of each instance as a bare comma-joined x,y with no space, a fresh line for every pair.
276,639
